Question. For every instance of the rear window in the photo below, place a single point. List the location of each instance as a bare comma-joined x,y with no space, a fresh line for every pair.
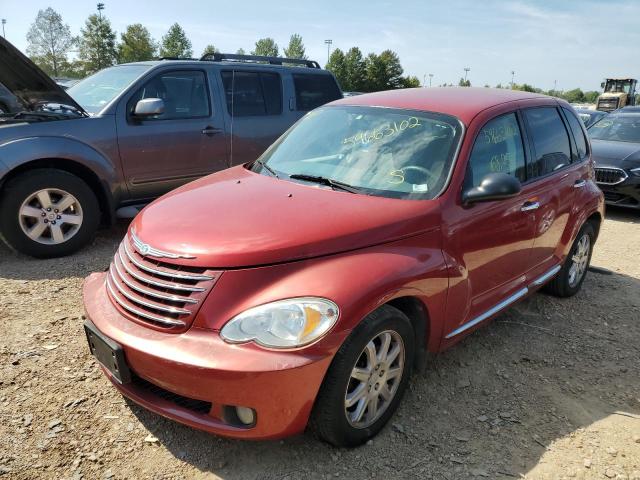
252,93
313,91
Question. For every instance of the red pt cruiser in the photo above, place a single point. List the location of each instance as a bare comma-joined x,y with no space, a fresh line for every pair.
302,288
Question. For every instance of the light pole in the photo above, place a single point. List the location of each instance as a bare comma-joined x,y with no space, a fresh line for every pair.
466,70
555,87
512,75
4,22
328,44
100,8
430,77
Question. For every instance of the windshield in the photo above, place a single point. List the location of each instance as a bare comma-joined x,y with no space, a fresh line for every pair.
95,92
618,128
379,151
618,86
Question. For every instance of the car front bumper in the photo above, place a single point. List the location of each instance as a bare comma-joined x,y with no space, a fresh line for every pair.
624,194
174,372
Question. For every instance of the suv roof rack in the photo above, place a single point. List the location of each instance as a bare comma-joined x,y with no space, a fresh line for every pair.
219,57
175,58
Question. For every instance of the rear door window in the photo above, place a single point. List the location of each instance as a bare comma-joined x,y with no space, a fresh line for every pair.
313,91
578,135
497,149
550,141
252,93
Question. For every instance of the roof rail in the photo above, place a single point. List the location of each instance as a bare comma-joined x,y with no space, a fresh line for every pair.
219,57
175,58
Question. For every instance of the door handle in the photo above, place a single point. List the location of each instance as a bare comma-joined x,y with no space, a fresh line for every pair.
528,206
209,130
579,183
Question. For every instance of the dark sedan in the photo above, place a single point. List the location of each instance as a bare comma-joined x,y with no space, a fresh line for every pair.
588,116
615,142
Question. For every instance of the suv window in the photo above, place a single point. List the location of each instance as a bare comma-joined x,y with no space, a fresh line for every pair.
550,141
314,90
578,135
498,148
252,93
184,93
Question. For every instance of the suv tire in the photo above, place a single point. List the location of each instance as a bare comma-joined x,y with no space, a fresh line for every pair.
333,419
31,223
569,279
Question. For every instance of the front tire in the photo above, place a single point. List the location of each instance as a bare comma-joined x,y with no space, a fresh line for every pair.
47,213
570,278
367,378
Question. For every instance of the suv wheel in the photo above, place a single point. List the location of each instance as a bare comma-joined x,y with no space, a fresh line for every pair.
47,213
569,280
366,380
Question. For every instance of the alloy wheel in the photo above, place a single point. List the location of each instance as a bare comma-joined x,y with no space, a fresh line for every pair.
50,216
579,260
374,379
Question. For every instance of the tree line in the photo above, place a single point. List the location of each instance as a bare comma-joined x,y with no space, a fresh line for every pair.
50,44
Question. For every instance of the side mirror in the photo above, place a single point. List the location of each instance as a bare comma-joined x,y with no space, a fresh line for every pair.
602,85
494,186
149,107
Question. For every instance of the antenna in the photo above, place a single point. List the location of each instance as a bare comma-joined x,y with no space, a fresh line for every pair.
233,90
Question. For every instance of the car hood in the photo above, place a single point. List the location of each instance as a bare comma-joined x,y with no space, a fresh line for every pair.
238,218
27,82
615,154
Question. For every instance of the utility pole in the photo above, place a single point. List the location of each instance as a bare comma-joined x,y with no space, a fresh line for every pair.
555,87
512,75
430,77
100,8
466,70
328,44
4,22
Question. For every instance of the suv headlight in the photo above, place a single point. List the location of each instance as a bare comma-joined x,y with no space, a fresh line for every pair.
635,171
289,323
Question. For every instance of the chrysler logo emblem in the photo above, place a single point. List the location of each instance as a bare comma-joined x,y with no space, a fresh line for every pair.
147,250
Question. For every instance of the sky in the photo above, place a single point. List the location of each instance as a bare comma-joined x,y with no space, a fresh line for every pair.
573,43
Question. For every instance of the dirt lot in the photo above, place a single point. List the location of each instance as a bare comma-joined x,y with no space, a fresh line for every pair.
549,390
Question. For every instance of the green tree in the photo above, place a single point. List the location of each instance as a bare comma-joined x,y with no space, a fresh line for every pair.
49,41
384,71
591,96
392,68
210,49
338,67
356,74
266,47
574,96
97,44
136,44
295,48
240,51
175,43
410,82
525,87
464,83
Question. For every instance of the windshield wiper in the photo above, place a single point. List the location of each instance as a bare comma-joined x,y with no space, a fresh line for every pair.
266,167
335,184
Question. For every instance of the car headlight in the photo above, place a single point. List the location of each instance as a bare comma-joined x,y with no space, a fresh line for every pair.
635,171
289,323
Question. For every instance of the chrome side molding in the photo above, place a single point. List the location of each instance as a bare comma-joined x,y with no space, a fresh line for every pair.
492,311
547,276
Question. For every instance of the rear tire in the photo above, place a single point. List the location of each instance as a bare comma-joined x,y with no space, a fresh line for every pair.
47,213
339,416
569,280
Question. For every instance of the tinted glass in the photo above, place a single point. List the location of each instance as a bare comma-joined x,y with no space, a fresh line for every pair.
184,94
578,135
497,149
252,93
550,141
382,151
617,128
314,90
95,92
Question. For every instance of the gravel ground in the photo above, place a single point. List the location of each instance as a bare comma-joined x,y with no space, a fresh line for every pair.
549,390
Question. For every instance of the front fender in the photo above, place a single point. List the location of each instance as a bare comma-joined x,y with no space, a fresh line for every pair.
358,282
23,150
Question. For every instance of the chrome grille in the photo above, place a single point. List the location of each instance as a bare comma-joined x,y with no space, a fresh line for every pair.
610,176
156,292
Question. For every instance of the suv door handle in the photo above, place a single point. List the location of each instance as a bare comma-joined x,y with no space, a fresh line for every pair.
209,130
528,206
579,183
